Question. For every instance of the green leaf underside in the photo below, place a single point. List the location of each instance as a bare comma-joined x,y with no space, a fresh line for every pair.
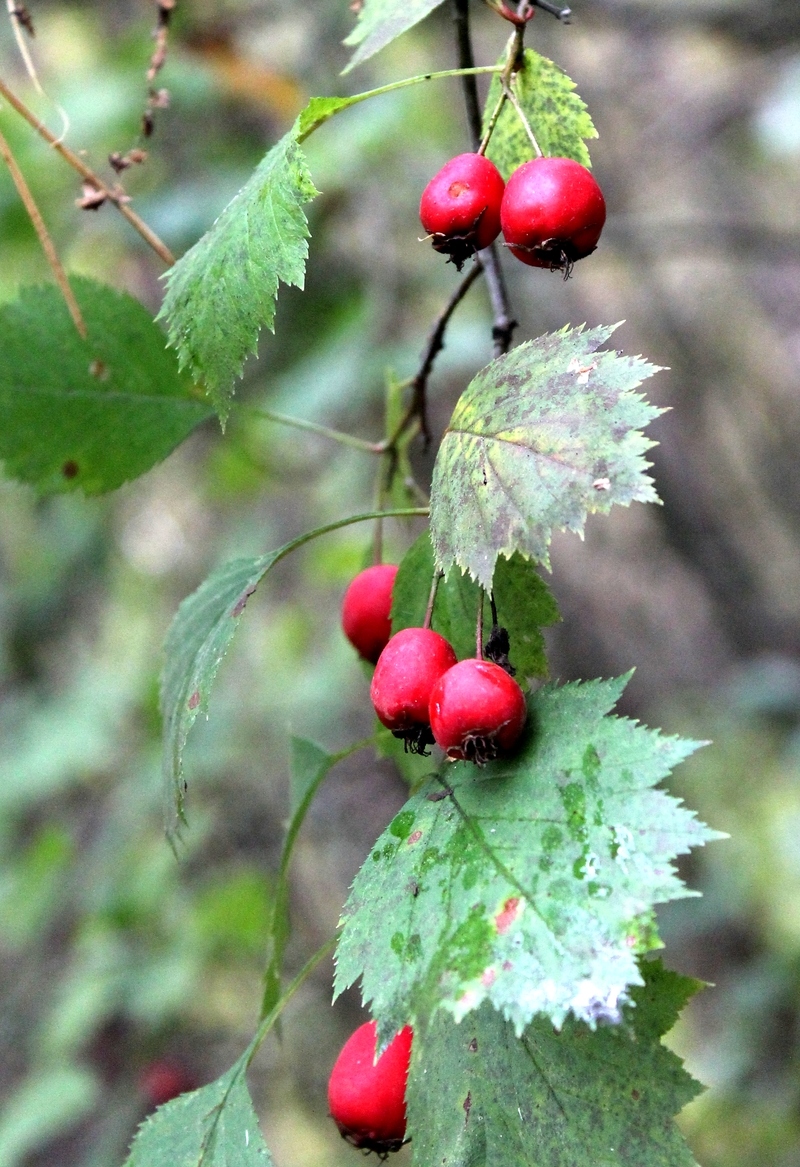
309,767
540,438
223,290
196,642
215,1126
479,1095
380,22
558,117
524,602
531,885
88,414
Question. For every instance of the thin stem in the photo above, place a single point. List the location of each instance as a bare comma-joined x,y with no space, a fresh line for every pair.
512,97
48,246
504,323
493,121
273,1015
472,70
494,609
435,344
437,575
479,626
114,196
324,431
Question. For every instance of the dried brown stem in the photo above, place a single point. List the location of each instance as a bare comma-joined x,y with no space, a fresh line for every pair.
115,196
48,246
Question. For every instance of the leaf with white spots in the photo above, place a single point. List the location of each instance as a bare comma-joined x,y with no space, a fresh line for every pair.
478,1094
540,438
529,883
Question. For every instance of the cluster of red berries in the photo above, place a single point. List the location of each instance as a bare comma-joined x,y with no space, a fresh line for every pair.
473,709
367,1098
551,211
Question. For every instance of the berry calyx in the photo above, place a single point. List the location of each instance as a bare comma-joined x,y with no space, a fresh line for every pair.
404,677
367,610
477,711
460,206
552,213
367,1099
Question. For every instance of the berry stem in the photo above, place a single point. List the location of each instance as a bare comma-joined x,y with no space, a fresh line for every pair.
437,575
512,97
479,625
504,323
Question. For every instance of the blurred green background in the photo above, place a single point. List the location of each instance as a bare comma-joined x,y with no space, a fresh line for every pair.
113,956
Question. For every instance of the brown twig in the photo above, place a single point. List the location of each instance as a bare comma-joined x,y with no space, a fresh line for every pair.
115,196
504,323
437,575
48,246
479,626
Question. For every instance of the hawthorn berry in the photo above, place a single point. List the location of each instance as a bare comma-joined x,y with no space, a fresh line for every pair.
164,1080
367,610
406,672
367,1099
552,213
477,711
460,206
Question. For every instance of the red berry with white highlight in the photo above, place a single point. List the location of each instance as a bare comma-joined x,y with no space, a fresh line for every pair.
553,212
404,677
367,610
477,711
367,1099
460,206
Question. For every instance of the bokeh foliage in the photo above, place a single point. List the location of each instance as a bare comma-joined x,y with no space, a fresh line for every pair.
112,954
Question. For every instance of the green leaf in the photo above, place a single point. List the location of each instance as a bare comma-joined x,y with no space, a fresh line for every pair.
381,21
530,883
480,1095
558,117
88,414
540,438
215,1126
308,769
223,290
198,639
524,603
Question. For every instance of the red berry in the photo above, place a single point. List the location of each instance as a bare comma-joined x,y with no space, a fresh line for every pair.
164,1080
477,711
367,610
552,213
404,676
460,206
367,1099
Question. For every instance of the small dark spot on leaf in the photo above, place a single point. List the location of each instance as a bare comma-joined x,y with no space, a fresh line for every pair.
438,795
467,1104
506,917
239,606
194,700
635,1095
413,887
414,837
70,469
98,369
473,1046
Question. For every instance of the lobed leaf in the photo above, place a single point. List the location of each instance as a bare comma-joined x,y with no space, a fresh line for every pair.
215,1126
478,1094
524,603
530,883
381,21
540,438
88,414
557,115
223,290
